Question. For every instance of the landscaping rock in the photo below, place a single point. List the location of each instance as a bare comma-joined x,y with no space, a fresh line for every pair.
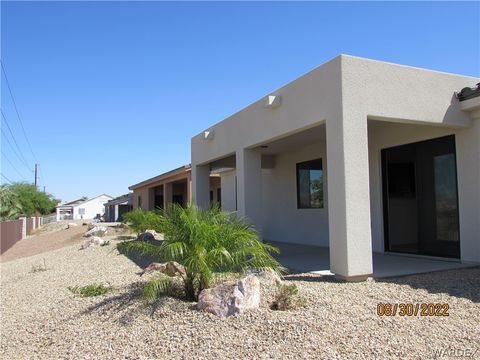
93,241
267,277
72,224
146,236
94,231
170,268
231,298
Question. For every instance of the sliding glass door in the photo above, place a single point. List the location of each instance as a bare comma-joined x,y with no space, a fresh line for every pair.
420,198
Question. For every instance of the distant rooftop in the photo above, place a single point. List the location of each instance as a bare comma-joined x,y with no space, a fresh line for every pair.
469,93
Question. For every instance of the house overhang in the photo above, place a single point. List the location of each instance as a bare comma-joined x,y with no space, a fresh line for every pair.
162,177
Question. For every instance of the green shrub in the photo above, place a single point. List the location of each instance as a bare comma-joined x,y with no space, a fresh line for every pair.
90,290
204,241
140,220
287,298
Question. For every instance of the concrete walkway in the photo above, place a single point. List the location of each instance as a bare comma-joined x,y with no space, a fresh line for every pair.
305,258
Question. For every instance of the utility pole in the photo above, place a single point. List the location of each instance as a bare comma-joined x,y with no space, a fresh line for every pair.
36,175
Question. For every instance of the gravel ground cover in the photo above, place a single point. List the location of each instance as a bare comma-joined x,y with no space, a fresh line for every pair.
42,319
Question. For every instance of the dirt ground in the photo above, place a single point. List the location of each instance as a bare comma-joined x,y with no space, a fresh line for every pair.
48,241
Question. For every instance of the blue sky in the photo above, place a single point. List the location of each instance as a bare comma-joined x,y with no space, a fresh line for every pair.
110,93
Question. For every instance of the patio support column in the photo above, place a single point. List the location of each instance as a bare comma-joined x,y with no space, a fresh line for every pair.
249,185
201,185
189,189
167,194
58,214
349,197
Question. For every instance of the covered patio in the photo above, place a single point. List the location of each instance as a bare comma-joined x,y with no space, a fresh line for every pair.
355,175
316,259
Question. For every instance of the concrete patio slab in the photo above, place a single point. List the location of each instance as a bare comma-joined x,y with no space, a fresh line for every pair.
315,259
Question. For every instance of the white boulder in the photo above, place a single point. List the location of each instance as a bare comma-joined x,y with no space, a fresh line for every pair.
93,241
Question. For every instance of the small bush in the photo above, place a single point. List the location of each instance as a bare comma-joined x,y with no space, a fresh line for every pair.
90,290
287,298
100,233
39,268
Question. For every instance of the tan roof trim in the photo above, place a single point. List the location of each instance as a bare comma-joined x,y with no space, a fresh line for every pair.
164,176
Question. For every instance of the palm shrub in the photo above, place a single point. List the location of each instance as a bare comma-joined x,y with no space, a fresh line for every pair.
140,220
10,207
205,242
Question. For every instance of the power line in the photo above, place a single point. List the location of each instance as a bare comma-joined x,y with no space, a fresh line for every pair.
6,178
18,114
14,140
15,151
13,166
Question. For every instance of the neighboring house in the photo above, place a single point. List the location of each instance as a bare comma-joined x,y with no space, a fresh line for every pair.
114,209
359,156
83,208
171,187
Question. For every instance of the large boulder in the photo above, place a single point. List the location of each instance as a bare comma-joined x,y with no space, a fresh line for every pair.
267,277
170,268
269,283
147,235
231,297
95,231
93,241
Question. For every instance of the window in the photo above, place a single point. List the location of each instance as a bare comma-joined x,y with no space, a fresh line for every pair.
310,184
81,211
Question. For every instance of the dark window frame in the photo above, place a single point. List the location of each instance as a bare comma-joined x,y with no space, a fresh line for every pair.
310,165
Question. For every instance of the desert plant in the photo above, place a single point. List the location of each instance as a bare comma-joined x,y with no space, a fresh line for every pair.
39,268
287,298
90,290
140,220
204,241
100,233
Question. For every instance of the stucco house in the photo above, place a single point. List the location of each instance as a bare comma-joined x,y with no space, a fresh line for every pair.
359,156
115,208
83,208
171,187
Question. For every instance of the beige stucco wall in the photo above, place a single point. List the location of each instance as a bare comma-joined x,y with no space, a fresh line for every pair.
282,220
